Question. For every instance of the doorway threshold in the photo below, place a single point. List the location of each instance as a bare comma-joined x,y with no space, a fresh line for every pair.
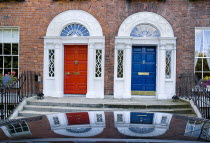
143,96
74,95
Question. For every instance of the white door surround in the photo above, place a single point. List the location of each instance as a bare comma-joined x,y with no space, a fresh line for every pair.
166,43
54,53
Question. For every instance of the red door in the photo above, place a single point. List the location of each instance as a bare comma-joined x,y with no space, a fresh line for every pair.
78,118
75,69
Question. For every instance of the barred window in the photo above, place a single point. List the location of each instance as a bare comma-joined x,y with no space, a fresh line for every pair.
168,64
120,63
9,51
119,117
98,66
51,63
99,118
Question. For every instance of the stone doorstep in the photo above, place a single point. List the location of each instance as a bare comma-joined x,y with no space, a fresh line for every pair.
51,105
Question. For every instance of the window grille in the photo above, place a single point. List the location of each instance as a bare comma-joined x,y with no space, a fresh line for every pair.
99,117
56,121
120,63
119,117
164,120
9,51
98,66
75,30
51,63
168,64
144,30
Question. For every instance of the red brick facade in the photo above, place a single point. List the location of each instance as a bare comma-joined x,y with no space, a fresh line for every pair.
34,16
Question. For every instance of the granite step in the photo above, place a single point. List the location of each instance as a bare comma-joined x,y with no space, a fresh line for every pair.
75,109
110,105
30,113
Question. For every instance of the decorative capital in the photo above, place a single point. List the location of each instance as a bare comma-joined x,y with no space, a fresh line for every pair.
128,45
91,44
162,46
57,45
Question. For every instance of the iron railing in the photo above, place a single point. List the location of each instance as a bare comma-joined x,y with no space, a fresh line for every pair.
190,88
10,96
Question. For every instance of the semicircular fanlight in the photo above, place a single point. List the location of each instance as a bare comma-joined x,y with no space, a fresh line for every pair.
78,130
141,130
144,30
75,30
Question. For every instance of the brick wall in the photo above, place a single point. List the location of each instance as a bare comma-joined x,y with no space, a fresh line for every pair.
34,16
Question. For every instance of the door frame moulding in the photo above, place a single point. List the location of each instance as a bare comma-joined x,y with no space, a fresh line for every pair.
165,88
54,86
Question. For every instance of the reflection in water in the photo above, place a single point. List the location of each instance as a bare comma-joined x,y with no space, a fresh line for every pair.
100,126
199,128
81,124
142,124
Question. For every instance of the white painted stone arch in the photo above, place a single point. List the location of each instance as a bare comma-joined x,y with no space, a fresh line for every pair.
153,19
54,86
74,16
165,88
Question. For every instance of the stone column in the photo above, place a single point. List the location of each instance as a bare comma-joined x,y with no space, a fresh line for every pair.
58,70
45,73
91,72
127,71
161,68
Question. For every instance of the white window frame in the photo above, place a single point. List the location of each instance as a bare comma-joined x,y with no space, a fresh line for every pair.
202,71
3,55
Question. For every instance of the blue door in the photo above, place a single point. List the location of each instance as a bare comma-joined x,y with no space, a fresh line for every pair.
143,76
141,118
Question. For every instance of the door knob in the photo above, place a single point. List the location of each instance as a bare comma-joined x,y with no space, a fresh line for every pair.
67,73
76,62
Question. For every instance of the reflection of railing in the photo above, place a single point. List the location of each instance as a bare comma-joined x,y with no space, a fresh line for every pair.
13,94
189,87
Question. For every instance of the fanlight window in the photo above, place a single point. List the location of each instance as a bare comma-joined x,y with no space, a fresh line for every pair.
75,30
144,30
78,130
141,130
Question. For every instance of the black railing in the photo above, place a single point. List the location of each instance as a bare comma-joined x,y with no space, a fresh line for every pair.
10,96
190,88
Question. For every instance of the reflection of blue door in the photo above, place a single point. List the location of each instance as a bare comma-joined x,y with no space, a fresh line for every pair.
141,118
143,70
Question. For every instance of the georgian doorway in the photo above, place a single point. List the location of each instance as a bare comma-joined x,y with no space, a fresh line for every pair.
74,56
145,71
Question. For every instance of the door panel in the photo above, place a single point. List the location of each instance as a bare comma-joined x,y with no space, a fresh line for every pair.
141,118
75,69
78,118
143,70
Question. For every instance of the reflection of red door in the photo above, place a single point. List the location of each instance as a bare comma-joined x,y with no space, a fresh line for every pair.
78,118
75,69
